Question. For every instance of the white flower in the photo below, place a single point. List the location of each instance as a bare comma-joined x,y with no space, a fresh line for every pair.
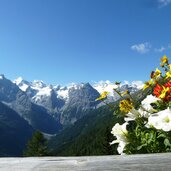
120,132
132,115
143,112
146,109
146,103
121,147
161,120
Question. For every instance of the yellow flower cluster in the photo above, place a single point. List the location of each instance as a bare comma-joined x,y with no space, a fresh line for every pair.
160,91
126,105
157,74
164,60
148,84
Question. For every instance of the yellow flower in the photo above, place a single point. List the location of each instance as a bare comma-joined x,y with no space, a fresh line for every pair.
164,59
148,84
103,96
163,92
126,105
168,74
169,67
157,73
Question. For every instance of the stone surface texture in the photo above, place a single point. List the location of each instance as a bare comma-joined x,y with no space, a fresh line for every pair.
145,162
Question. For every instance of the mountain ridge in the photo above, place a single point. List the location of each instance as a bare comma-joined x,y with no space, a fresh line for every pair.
66,103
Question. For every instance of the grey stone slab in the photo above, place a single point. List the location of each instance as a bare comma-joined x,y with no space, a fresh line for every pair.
145,162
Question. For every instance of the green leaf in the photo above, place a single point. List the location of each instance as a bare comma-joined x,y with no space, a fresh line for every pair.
169,104
141,146
162,136
167,143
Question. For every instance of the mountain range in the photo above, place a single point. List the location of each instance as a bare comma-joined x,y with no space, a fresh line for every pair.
49,108
65,103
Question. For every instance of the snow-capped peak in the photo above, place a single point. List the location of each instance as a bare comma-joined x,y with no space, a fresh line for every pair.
37,84
135,84
21,83
18,80
76,86
41,89
38,89
108,86
2,76
62,92
44,92
102,86
138,84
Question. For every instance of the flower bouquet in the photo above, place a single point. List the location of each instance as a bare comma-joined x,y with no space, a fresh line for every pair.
146,127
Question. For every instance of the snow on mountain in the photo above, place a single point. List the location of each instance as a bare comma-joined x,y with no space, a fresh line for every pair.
38,89
1,77
63,93
19,101
68,103
102,86
136,84
81,97
108,86
38,84
43,92
22,84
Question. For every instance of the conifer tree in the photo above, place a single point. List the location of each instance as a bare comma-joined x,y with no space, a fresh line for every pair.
37,146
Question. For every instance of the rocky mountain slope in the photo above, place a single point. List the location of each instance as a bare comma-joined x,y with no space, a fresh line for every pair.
14,132
19,101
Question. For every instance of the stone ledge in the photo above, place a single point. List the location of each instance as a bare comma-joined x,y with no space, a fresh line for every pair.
145,162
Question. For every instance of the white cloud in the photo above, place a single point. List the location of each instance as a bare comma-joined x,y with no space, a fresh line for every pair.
142,47
163,3
146,47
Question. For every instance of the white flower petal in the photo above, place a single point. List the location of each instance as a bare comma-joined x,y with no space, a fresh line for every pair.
132,115
146,103
161,120
121,147
114,142
120,132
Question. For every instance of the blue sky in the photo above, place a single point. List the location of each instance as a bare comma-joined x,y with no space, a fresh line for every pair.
64,41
